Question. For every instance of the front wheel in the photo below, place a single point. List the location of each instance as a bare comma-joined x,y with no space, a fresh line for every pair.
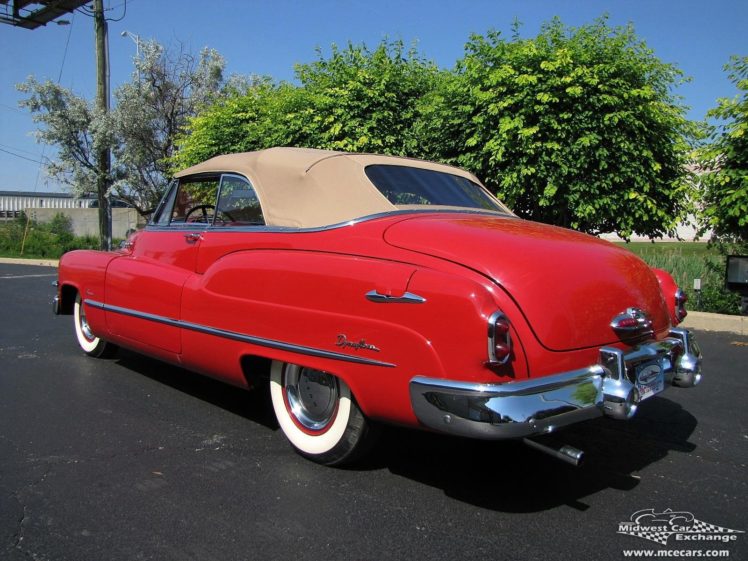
318,414
91,345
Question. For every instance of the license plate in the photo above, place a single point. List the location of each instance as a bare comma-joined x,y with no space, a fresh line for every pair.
650,379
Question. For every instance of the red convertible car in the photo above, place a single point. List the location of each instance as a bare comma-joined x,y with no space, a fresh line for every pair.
364,289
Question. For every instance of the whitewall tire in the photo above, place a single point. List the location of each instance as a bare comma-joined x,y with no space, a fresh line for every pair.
91,345
318,414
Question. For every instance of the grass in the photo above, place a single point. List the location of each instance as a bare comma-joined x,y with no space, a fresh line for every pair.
688,261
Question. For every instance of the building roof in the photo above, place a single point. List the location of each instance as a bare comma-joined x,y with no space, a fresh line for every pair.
307,188
43,194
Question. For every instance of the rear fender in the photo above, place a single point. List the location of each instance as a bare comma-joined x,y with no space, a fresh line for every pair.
669,287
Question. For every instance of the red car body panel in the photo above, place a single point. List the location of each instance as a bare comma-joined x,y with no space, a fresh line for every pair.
569,285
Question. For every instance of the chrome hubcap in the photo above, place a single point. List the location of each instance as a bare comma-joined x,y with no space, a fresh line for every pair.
312,396
85,328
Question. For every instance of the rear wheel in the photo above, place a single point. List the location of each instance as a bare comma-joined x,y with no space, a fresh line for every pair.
318,414
91,345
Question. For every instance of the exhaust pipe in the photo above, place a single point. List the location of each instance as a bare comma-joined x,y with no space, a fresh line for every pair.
564,452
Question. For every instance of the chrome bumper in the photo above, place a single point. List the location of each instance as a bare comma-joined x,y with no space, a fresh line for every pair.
539,406
56,300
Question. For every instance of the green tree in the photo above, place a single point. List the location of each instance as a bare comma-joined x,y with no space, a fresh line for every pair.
240,122
167,87
577,127
359,100
725,160
73,125
355,100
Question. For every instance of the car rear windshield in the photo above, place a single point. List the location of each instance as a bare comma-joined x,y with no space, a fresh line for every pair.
405,185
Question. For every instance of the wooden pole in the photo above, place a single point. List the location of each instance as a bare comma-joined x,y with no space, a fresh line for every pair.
103,158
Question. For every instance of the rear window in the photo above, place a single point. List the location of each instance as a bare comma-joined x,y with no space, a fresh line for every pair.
405,185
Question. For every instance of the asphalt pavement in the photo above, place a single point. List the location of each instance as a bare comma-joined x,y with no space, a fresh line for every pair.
132,459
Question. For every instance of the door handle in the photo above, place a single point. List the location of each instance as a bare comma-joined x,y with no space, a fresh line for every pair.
193,237
405,298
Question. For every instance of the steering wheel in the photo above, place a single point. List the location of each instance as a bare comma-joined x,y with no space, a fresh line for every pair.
204,208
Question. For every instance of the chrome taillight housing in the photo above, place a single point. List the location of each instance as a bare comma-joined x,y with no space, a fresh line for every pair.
680,305
499,339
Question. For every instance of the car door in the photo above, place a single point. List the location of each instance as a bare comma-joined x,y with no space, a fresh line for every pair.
144,287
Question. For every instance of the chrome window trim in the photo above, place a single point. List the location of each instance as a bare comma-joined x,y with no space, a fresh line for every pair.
293,230
233,335
218,200
161,203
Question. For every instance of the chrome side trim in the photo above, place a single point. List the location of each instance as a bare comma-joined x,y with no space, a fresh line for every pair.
233,335
406,298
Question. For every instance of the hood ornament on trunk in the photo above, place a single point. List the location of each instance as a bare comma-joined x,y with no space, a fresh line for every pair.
632,322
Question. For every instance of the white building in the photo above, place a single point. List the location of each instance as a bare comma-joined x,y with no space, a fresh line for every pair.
82,211
12,203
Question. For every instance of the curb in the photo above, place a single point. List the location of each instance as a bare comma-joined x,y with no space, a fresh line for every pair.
37,262
704,321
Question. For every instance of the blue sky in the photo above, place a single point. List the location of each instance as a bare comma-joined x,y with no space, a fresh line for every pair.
269,37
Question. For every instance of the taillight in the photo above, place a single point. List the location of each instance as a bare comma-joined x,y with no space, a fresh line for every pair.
499,339
680,305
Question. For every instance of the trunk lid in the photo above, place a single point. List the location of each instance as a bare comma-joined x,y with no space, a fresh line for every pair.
568,285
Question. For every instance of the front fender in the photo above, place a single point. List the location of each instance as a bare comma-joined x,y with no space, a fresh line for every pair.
84,272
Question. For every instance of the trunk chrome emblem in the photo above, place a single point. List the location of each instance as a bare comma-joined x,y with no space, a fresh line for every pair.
632,322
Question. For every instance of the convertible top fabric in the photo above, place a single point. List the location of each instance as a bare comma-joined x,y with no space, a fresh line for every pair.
309,188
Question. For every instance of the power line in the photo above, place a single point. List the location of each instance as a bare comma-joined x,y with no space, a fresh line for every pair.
17,149
10,107
86,11
59,79
22,157
124,12
67,43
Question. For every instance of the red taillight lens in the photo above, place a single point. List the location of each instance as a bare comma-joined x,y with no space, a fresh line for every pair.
628,323
499,339
501,326
680,305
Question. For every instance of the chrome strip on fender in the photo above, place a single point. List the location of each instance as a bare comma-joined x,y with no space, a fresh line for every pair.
270,343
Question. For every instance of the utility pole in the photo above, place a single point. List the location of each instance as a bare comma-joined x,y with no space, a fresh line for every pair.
103,157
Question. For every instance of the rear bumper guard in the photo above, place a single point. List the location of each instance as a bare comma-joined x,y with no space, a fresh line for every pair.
613,387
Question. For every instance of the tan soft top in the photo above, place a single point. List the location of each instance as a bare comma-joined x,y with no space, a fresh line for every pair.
308,188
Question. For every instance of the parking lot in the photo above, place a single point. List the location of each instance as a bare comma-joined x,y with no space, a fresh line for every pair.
134,459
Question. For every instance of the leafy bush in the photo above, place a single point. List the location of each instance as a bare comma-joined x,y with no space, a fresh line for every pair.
46,240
